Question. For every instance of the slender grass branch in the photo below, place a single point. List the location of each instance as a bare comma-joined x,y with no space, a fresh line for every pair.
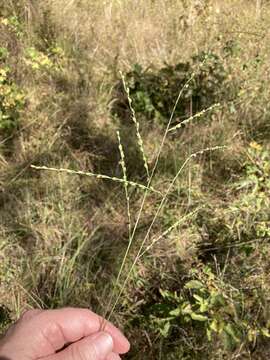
144,199
137,126
97,176
196,116
186,85
124,169
194,155
168,231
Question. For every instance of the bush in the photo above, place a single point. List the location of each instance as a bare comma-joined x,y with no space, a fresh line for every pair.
12,100
209,304
154,93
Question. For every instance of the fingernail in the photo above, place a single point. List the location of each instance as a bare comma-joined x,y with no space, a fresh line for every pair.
104,344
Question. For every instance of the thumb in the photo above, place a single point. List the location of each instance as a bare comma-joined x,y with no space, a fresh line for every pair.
95,347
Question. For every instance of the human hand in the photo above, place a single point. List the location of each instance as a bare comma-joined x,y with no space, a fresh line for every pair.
65,334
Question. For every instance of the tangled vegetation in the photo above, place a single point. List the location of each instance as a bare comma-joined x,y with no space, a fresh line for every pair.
154,94
135,169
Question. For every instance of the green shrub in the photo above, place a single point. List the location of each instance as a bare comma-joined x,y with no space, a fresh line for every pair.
12,23
211,305
3,53
12,100
154,93
37,60
250,210
49,61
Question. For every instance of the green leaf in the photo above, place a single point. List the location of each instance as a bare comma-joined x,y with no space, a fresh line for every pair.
265,332
231,330
204,306
186,309
3,53
217,299
209,334
194,284
214,325
198,317
175,312
199,298
165,330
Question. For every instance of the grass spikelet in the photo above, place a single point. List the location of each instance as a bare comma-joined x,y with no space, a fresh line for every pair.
137,126
124,169
97,176
196,116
